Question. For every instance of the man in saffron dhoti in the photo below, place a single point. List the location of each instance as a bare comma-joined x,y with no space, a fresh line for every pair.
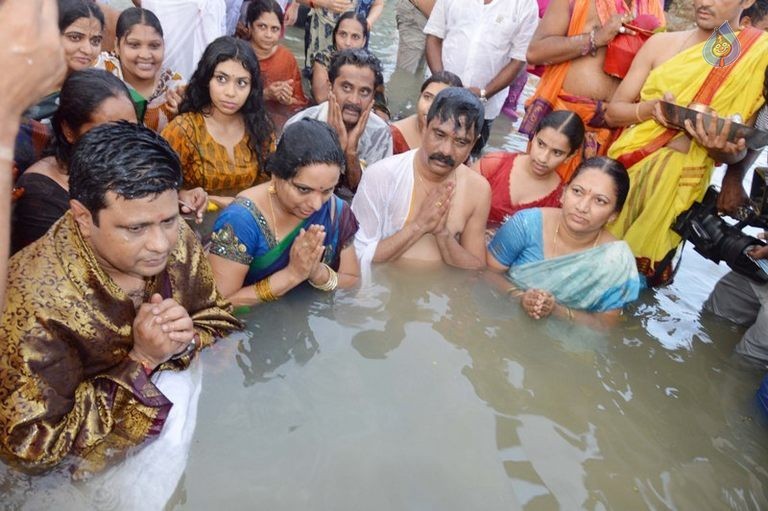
572,41
670,169
118,290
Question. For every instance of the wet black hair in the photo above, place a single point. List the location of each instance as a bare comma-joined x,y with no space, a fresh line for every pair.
133,16
305,142
459,105
352,15
566,122
72,10
81,95
446,77
124,158
756,12
358,57
197,98
615,170
258,7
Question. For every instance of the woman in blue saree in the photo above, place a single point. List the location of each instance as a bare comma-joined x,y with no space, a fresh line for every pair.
292,229
562,261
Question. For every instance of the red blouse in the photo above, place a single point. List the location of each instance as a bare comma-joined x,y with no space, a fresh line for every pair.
496,168
399,145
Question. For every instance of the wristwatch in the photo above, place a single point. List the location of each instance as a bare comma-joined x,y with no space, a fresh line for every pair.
191,347
483,99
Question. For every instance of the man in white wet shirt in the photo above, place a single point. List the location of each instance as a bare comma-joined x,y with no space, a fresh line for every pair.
354,76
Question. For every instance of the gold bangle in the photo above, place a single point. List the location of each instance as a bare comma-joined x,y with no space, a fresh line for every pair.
330,284
515,292
637,112
570,313
264,291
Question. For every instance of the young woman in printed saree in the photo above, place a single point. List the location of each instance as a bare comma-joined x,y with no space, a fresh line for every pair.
277,235
138,61
561,261
223,134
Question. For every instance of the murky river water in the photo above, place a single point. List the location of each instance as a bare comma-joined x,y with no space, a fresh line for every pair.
429,391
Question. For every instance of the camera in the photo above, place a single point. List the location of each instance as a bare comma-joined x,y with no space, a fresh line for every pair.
717,240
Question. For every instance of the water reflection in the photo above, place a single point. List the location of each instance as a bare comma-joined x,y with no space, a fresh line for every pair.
276,333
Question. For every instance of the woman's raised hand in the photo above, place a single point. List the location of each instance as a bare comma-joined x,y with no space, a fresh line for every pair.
307,251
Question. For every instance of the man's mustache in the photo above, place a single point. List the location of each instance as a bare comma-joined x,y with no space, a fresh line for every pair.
353,108
443,158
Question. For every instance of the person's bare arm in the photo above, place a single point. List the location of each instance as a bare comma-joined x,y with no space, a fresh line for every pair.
551,44
434,50
433,210
349,268
320,83
732,194
468,251
376,9
110,17
337,6
425,6
504,77
624,108
31,54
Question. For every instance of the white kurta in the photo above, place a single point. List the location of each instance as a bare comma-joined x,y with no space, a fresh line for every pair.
480,39
188,26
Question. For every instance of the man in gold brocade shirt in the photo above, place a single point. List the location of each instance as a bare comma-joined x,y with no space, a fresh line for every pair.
116,291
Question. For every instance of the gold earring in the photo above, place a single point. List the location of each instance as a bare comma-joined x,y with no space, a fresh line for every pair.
272,190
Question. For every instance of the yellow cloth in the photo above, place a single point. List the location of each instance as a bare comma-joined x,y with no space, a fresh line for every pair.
667,182
67,386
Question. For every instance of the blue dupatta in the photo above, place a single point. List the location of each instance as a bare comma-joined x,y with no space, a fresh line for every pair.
596,280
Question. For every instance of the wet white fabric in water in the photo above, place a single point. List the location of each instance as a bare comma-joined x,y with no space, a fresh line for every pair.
188,27
381,205
145,480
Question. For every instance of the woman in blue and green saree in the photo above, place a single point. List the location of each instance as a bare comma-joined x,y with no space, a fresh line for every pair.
292,229
561,261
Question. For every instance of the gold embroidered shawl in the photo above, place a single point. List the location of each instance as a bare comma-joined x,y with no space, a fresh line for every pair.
67,386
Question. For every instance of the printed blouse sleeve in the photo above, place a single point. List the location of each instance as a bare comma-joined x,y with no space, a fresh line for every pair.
235,235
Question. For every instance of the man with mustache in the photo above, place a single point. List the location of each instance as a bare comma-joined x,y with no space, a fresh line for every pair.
671,168
354,76
484,43
425,204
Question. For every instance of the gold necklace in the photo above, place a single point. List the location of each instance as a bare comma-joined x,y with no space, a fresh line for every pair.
272,191
557,231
